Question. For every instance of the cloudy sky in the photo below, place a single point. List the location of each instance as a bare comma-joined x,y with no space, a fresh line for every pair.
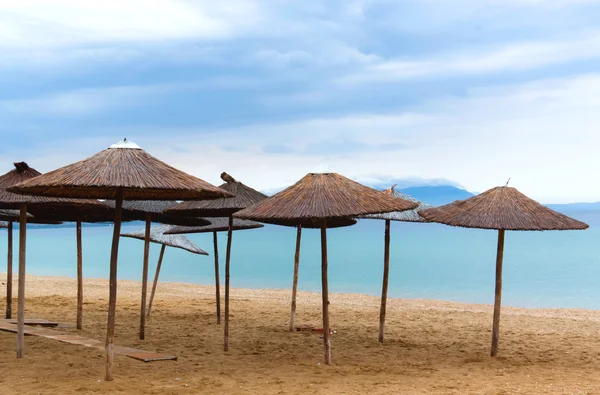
470,91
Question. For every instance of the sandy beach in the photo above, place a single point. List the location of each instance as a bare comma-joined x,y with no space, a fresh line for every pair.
432,347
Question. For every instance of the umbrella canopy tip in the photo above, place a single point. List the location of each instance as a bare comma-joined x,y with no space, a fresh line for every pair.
124,144
21,166
227,178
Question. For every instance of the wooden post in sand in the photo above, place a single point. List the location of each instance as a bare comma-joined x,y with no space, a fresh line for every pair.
112,297
325,293
498,298
145,278
9,271
227,264
386,274
21,294
295,284
217,281
158,265
79,277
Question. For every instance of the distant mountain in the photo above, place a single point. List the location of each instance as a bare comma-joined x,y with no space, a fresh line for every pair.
437,195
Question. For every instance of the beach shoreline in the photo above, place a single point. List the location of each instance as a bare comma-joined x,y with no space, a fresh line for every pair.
431,346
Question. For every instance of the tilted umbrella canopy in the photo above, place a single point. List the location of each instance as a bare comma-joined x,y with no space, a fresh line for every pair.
216,225
322,196
502,209
244,196
139,209
122,172
126,167
158,235
3,225
403,216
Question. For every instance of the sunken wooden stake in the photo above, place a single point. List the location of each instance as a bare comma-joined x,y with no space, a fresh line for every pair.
498,299
9,271
145,278
158,265
325,293
386,274
217,284
21,294
227,261
79,278
295,284
112,296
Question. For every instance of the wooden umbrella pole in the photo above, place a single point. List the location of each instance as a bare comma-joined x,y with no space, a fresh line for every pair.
79,277
21,292
227,264
295,284
325,293
498,299
158,265
145,278
9,271
112,298
386,274
217,281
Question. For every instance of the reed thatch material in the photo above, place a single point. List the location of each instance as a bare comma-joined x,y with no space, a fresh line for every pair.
3,225
13,216
501,208
322,196
158,236
138,209
123,166
243,196
22,172
216,225
403,216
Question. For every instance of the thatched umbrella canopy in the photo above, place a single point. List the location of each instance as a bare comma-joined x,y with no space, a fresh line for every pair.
502,209
321,198
140,210
403,216
244,196
3,225
13,216
216,225
152,211
122,172
36,205
159,235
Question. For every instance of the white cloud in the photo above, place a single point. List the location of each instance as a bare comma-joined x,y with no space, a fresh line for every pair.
41,23
504,58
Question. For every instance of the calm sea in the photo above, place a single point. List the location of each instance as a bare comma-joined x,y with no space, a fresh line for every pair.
541,269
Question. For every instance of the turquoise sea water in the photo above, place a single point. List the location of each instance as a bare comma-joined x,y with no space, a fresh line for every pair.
541,269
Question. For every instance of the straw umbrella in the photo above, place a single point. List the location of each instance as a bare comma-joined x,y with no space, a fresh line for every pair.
10,200
122,172
315,200
158,235
501,209
403,216
151,211
217,225
244,196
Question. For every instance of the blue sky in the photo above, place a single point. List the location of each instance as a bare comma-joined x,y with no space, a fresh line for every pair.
471,91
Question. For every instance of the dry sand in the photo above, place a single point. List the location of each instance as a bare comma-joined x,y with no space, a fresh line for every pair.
431,347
